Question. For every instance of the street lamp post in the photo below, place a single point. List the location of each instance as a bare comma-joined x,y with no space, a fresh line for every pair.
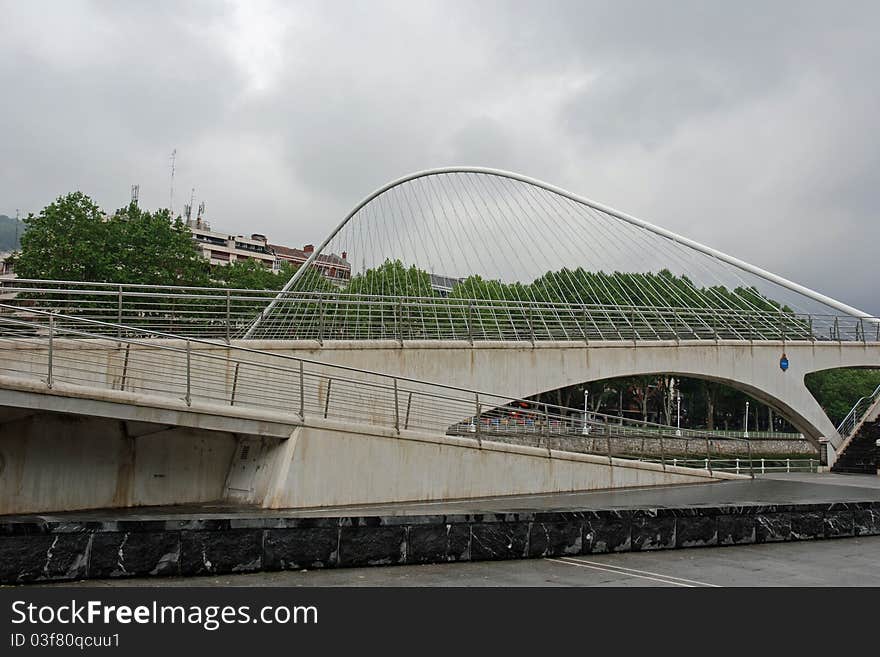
746,432
585,431
678,414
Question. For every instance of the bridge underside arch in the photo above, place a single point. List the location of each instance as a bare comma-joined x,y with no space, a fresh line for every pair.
780,407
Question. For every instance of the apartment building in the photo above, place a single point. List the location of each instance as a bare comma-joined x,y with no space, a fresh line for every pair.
335,268
221,249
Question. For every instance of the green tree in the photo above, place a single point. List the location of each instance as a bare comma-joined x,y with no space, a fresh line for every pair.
613,292
65,241
151,248
252,275
389,317
392,279
474,308
72,239
294,309
838,390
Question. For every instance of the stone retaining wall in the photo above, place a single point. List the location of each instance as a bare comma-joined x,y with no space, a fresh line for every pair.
37,550
649,446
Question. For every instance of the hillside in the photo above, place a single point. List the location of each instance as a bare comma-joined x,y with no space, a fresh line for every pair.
8,233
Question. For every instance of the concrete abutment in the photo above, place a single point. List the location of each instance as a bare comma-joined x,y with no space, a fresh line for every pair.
62,462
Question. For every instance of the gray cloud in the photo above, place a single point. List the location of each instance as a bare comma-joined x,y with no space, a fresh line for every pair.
748,126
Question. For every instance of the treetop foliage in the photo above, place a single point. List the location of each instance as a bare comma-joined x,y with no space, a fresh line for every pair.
391,278
837,390
662,289
72,239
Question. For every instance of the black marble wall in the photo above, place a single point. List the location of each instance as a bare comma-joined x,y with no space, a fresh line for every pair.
34,550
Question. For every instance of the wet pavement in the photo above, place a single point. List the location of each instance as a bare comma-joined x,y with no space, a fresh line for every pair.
843,562
801,488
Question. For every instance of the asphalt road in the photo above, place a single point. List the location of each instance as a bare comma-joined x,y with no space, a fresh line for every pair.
842,562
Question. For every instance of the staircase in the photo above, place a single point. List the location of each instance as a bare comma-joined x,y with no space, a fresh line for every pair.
860,430
861,455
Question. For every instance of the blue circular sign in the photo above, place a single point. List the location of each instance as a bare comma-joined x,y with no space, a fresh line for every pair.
783,362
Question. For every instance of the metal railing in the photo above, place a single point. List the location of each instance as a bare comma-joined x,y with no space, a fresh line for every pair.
74,351
226,314
636,428
741,466
599,434
854,417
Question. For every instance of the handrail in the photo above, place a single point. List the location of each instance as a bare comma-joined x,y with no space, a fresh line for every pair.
250,294
227,313
13,281
297,359
853,418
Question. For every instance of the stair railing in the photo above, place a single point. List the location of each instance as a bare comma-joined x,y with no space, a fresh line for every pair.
854,418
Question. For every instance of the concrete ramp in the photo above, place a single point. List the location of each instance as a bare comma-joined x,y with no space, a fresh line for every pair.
51,462
329,463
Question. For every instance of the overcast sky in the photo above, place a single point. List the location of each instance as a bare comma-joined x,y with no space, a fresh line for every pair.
751,127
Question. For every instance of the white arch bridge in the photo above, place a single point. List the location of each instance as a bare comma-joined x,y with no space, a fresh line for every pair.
490,280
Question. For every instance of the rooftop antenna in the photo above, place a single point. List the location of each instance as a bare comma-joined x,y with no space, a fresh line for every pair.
135,193
188,208
201,212
171,199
